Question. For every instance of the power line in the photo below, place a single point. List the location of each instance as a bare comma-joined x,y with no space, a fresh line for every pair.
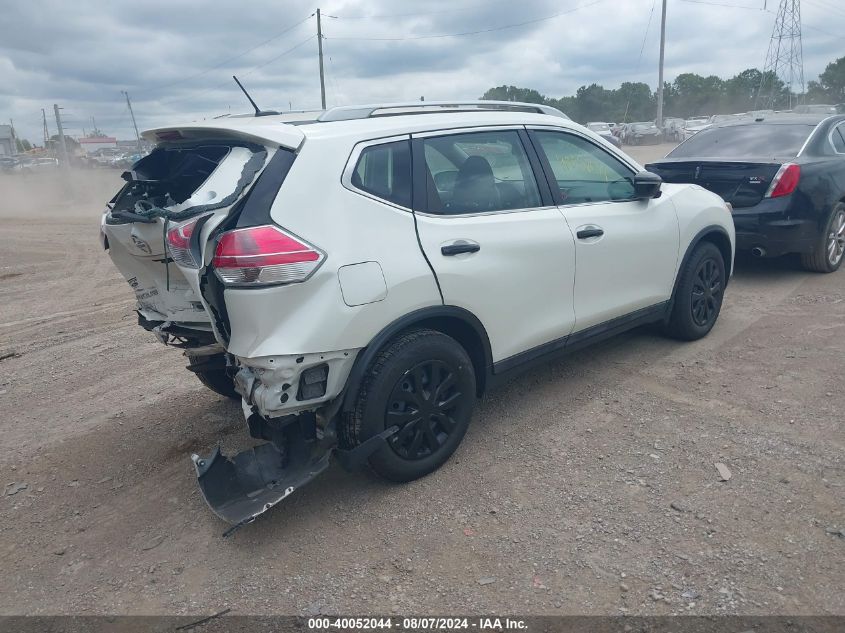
471,7
839,11
640,57
477,32
721,4
249,72
827,6
229,59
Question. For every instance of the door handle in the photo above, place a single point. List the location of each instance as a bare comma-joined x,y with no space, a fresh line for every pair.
584,234
457,249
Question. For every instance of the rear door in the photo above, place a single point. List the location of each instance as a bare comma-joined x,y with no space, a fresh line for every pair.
626,250
497,247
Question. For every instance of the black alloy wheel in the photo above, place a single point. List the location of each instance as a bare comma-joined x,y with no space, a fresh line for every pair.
697,300
706,292
423,404
423,383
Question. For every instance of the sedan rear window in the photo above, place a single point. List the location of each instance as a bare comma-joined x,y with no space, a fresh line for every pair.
743,141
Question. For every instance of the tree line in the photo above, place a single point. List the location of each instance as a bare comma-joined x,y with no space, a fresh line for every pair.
688,95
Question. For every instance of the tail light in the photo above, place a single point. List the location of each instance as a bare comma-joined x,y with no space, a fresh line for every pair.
263,255
179,243
785,181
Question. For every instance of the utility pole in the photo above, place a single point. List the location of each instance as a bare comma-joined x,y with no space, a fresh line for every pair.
135,125
62,145
659,121
14,136
320,52
46,129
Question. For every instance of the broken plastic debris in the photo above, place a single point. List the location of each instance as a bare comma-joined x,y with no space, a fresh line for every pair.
724,471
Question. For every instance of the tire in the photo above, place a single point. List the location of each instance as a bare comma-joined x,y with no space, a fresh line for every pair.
215,379
699,294
829,252
393,392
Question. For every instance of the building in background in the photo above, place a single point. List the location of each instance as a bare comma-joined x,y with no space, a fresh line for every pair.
91,144
7,141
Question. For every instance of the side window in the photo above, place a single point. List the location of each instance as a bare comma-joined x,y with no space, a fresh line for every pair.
838,138
478,172
385,171
584,172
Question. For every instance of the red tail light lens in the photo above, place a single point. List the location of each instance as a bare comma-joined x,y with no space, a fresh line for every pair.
263,255
785,181
178,243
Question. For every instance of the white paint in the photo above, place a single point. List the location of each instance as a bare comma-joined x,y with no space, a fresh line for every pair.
362,283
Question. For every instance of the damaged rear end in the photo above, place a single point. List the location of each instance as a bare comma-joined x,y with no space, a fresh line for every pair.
156,228
182,229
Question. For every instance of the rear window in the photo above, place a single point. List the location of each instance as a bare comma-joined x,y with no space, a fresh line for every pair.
743,141
184,180
385,172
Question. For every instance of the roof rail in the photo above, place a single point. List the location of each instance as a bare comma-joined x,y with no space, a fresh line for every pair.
349,113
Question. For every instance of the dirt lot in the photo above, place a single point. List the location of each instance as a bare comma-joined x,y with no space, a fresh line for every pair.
585,487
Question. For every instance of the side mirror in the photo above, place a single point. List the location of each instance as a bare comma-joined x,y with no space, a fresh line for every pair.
647,185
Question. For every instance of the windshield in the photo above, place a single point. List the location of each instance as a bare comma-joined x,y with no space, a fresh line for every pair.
599,127
740,141
643,126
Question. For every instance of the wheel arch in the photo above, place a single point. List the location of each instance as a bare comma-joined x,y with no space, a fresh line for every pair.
716,235
458,323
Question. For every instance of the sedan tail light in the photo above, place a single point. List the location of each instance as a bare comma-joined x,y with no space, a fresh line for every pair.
264,255
785,181
179,243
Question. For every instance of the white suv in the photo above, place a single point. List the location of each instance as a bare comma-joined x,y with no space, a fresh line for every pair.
360,277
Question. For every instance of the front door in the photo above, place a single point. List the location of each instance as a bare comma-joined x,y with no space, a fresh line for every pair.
626,250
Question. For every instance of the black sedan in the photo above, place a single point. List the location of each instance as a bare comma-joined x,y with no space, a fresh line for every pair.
784,177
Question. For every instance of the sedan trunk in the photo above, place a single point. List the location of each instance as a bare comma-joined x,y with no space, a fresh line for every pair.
743,184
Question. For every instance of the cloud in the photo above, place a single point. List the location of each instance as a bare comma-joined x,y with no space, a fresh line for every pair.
176,58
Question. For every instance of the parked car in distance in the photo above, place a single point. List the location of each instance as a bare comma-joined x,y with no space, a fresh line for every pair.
784,177
760,114
373,346
642,133
9,164
694,125
815,109
30,165
604,130
673,129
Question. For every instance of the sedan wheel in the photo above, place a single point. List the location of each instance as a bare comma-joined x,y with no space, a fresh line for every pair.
836,239
829,252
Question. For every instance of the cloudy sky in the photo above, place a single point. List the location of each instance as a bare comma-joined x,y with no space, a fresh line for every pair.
176,57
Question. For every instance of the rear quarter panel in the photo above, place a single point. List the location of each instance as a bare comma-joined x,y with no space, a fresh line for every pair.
822,185
350,228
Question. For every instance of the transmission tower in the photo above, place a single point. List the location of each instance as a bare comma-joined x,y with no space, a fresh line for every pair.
784,59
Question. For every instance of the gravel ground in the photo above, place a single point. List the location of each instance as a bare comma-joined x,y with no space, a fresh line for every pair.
584,487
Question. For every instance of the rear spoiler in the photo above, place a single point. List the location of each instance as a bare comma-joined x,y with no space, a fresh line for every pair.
261,130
